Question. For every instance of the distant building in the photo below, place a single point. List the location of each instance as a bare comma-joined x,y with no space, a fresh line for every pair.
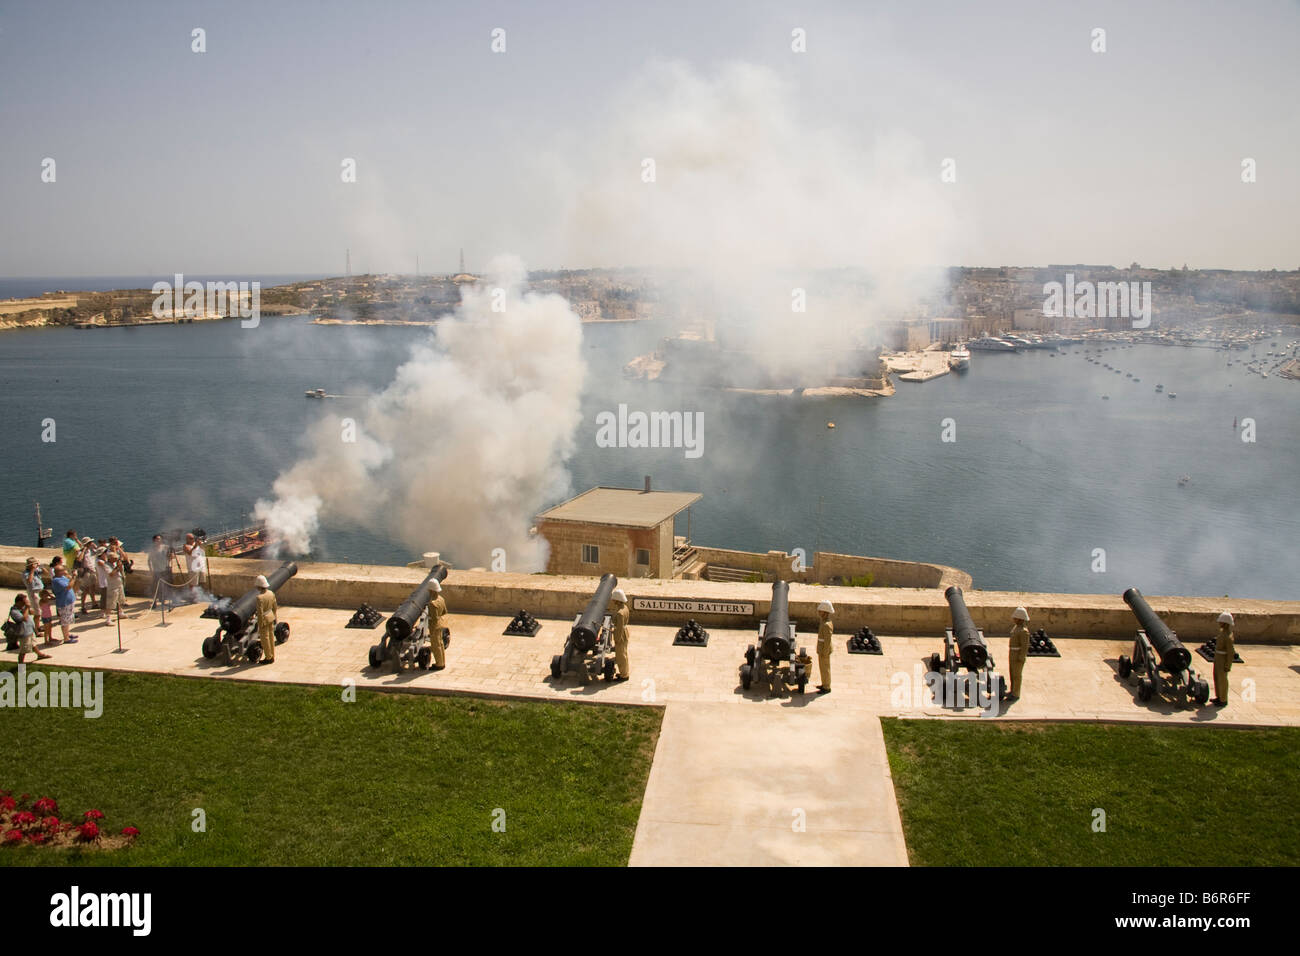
949,330
622,531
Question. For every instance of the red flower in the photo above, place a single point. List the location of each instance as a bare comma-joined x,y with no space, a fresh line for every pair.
130,832
14,836
24,819
7,803
45,805
88,832
93,815
38,838
51,824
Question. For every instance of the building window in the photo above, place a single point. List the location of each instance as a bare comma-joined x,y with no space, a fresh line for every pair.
643,556
590,554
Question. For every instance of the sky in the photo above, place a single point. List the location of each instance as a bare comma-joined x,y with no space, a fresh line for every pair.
229,161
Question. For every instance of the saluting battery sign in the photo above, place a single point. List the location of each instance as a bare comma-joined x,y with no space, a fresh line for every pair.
691,607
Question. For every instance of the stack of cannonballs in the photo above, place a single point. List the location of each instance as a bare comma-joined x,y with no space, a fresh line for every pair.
1206,650
1040,645
523,624
693,634
865,642
366,616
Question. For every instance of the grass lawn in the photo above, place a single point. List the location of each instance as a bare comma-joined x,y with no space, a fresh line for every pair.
973,793
294,775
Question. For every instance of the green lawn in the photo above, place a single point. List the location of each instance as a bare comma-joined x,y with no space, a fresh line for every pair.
294,775
973,793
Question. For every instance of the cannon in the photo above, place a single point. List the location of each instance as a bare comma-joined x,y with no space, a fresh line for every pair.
964,647
774,661
1161,656
406,635
589,648
236,634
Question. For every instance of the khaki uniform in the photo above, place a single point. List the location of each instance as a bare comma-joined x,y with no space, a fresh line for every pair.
1224,651
437,611
618,619
266,608
1017,655
825,631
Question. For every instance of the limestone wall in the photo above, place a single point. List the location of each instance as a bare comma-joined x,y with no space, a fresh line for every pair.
826,567
920,611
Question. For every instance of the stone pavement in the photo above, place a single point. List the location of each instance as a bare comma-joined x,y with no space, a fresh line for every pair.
732,768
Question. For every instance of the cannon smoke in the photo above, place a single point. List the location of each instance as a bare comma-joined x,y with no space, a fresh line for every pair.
464,446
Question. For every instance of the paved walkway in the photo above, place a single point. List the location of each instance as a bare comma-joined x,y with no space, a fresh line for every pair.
731,767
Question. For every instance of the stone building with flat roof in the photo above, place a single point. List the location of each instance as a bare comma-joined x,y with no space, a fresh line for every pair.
622,531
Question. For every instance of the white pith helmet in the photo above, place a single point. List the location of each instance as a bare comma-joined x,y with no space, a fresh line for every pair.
618,595
435,586
1226,618
262,582
1020,614
826,606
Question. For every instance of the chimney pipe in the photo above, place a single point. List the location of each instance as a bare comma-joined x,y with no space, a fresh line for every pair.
647,485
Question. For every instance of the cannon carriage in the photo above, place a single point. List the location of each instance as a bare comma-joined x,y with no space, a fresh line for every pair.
964,647
406,640
236,636
589,648
1164,664
774,661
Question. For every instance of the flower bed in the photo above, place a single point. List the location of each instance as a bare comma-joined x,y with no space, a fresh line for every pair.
40,825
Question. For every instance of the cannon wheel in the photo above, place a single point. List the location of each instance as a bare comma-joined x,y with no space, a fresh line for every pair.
608,670
1125,666
424,658
211,646
746,675
936,663
749,655
557,665
254,654
1145,689
281,632
1202,691
376,656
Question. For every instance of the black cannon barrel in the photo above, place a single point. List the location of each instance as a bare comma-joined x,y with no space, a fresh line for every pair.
974,652
1173,656
776,634
402,623
586,631
237,616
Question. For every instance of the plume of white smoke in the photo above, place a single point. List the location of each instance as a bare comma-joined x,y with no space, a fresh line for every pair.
467,443
755,196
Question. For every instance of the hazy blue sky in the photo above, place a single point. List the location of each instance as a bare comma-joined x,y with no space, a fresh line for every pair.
228,162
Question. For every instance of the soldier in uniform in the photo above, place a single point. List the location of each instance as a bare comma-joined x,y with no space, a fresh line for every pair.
619,615
266,609
1224,651
437,612
1019,650
825,631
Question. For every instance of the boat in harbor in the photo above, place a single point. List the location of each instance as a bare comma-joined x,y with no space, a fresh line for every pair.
315,393
959,360
250,541
988,343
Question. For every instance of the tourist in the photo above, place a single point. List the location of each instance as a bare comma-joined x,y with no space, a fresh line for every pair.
70,548
65,598
197,562
33,580
21,616
87,578
114,591
47,614
101,575
159,570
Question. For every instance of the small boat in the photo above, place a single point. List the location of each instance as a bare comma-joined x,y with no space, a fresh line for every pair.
1105,398
315,393
1160,388
1173,394
1184,480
